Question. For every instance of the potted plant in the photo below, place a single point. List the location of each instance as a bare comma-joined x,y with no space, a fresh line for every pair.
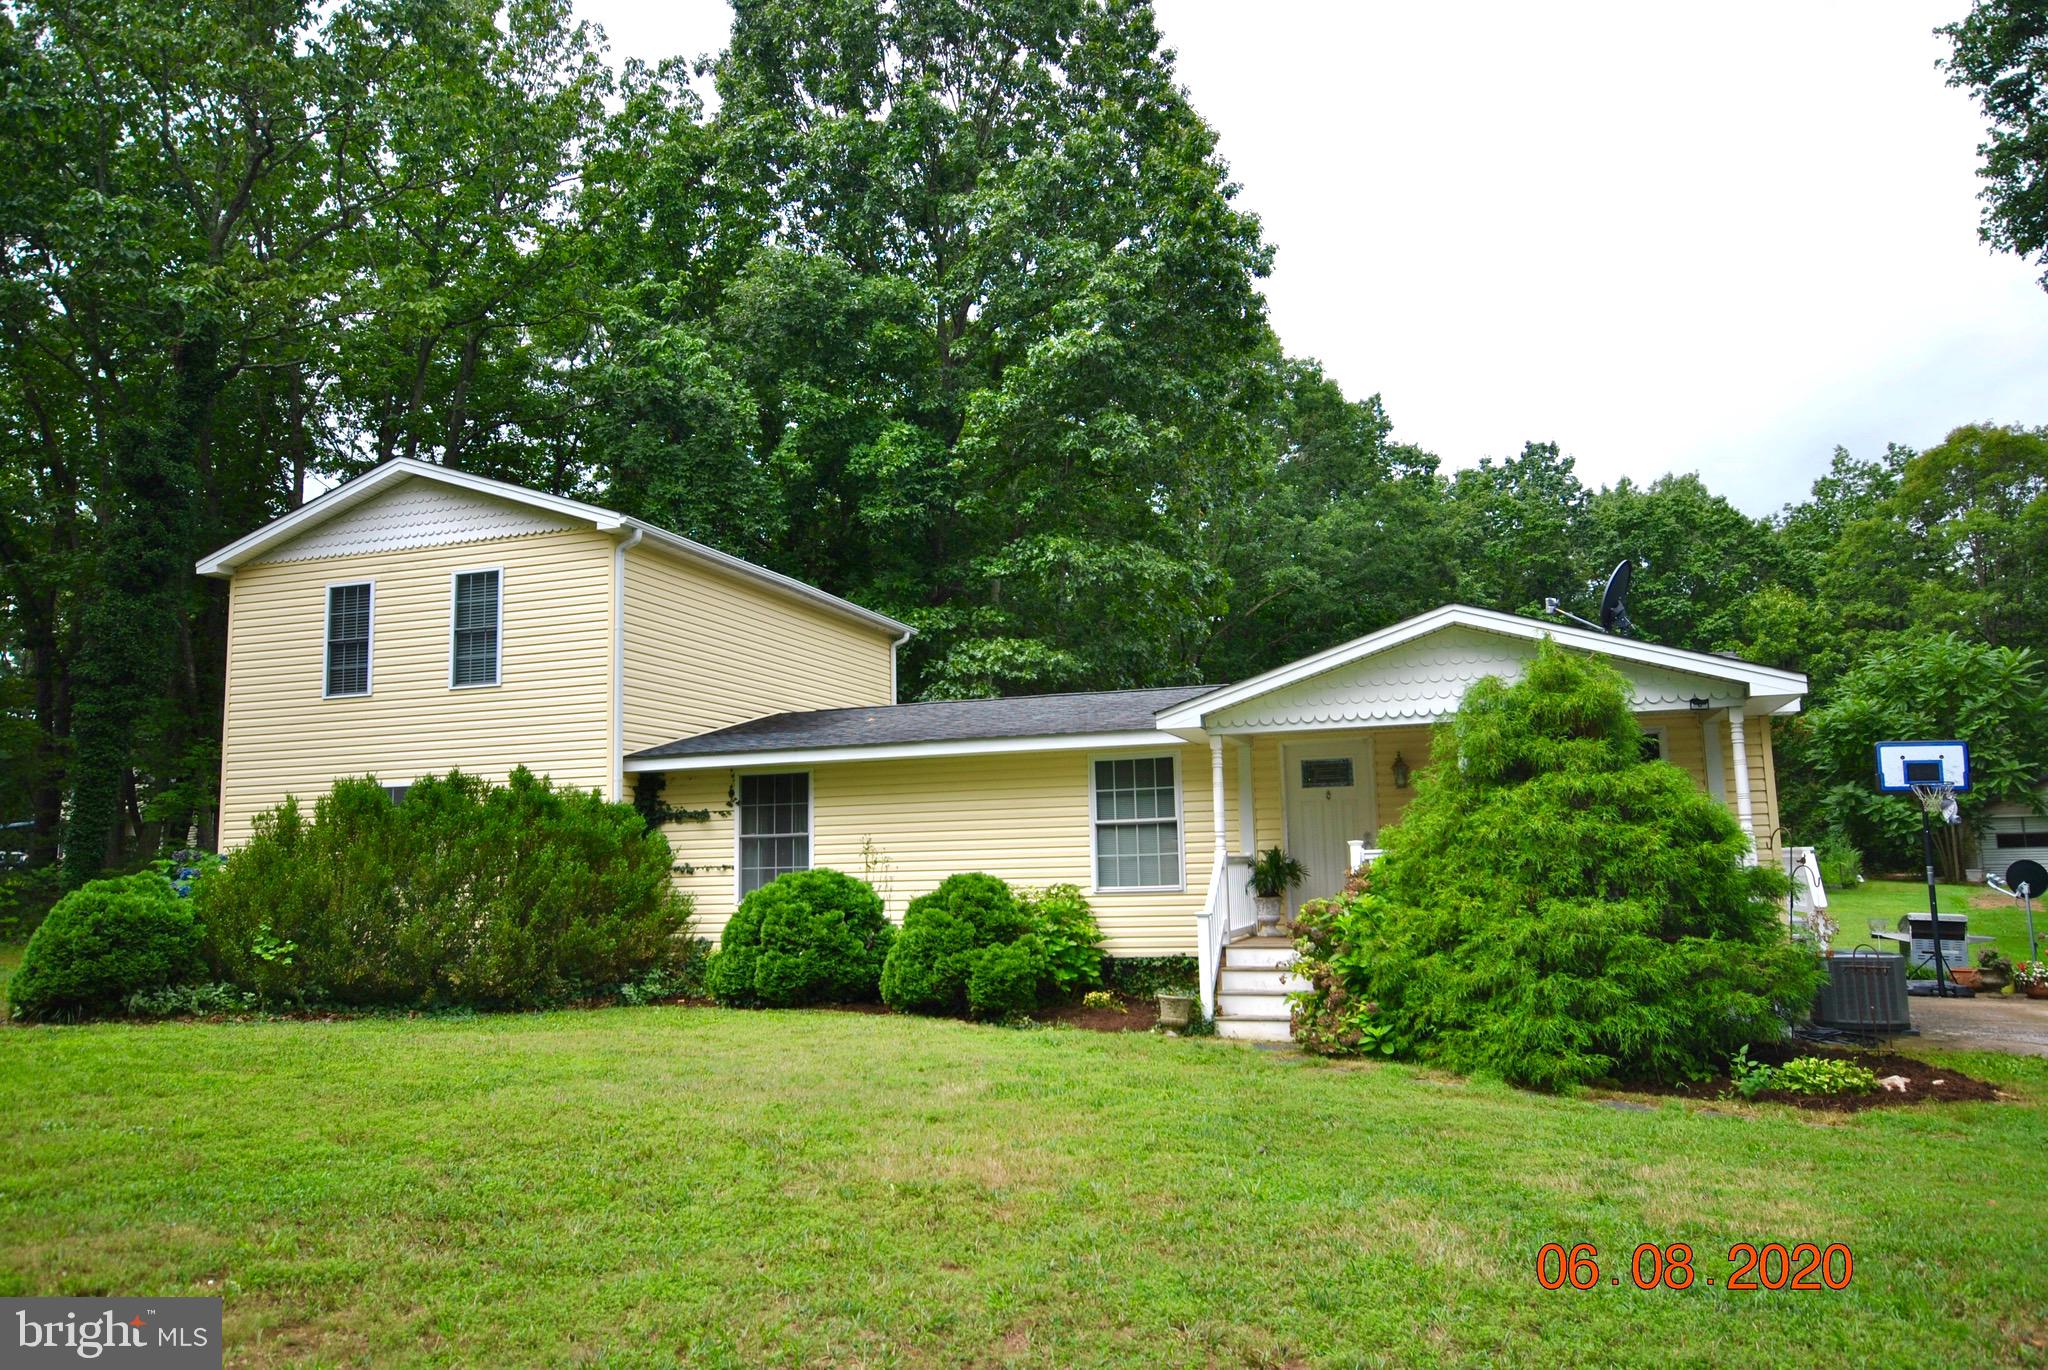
1273,874
1994,972
2032,978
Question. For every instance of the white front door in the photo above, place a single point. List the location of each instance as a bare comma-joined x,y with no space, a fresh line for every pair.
1329,803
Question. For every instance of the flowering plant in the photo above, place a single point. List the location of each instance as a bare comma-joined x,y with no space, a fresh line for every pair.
2026,973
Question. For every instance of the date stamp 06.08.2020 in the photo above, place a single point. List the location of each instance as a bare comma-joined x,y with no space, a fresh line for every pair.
1802,1266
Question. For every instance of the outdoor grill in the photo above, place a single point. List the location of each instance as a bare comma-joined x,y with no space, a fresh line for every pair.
1955,939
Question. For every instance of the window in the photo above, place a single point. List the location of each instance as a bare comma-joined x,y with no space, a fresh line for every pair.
348,639
475,657
2008,841
775,828
1137,824
396,793
1653,744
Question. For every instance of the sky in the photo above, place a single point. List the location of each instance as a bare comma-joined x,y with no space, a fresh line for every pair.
1722,239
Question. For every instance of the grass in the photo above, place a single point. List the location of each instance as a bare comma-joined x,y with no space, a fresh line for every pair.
642,1186
1884,900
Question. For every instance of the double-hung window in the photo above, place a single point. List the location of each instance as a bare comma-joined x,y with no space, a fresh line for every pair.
347,669
474,652
1137,824
775,827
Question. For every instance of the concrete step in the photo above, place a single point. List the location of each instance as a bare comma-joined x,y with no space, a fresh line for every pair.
1254,980
1255,1004
1253,1029
1258,956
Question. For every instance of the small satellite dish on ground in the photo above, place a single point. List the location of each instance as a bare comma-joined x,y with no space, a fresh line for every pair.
1613,608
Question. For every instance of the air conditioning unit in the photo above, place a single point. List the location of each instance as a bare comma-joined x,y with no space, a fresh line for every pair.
1865,992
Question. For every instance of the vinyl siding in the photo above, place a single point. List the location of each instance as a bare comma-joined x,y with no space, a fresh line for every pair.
705,650
906,825
551,713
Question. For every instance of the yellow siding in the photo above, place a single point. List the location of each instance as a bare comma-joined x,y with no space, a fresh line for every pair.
552,713
906,825
704,650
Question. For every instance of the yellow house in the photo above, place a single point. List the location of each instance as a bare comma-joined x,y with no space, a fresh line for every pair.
418,619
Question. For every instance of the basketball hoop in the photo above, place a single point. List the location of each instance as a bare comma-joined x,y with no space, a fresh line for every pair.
1938,800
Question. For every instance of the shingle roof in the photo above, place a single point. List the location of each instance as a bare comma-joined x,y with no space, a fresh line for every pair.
945,720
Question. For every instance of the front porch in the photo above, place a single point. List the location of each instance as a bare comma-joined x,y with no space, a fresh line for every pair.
1320,757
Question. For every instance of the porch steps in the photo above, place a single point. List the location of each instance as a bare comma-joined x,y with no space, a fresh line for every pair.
1251,993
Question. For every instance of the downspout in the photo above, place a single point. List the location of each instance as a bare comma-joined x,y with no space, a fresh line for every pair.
895,695
625,544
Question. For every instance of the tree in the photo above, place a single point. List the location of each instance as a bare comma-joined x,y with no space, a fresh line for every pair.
1932,687
1999,52
1514,527
1698,559
1553,909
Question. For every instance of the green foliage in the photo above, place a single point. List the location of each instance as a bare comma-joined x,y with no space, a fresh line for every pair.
103,942
1005,978
1841,865
26,894
1999,52
1750,1078
1068,936
935,954
809,937
467,893
1141,977
1996,698
1824,1075
1275,873
1101,999
191,1001
1551,909
1332,939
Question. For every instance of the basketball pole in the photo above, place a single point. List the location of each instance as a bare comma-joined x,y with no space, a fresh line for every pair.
1933,906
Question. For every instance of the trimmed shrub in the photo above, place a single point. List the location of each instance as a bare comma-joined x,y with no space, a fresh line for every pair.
1552,909
1005,979
463,892
1072,942
933,957
102,943
810,937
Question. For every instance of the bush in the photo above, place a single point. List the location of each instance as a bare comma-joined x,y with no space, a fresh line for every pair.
462,893
1005,979
1141,977
190,1001
1069,937
933,957
1824,1075
809,937
1841,865
1552,910
103,942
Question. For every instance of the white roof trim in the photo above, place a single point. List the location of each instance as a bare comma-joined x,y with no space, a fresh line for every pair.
1756,680
346,496
898,751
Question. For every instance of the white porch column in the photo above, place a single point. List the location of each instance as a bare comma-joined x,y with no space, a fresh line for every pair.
1216,795
1743,804
1247,816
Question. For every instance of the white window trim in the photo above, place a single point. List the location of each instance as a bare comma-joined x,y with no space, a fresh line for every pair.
498,647
1180,822
1663,736
327,641
810,819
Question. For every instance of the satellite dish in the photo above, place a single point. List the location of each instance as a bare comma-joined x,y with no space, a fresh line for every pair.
1613,611
2032,874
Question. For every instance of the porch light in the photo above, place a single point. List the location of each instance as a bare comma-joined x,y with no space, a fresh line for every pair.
1400,772
1698,705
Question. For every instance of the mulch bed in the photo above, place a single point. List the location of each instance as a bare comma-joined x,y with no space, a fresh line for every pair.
1139,1015
1925,1084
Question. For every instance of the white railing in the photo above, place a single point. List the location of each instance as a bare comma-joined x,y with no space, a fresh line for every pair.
1225,917
1213,932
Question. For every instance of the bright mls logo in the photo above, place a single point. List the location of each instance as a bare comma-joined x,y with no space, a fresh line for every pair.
170,1334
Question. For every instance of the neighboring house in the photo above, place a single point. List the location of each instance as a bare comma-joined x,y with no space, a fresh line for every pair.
419,619
2013,832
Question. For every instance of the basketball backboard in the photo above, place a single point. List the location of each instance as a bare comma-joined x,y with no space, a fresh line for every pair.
1902,765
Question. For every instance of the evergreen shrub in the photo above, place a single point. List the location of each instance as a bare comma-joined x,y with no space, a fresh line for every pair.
102,943
461,893
933,957
809,937
1552,909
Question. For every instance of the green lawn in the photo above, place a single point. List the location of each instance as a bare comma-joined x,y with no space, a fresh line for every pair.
1991,914
638,1186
